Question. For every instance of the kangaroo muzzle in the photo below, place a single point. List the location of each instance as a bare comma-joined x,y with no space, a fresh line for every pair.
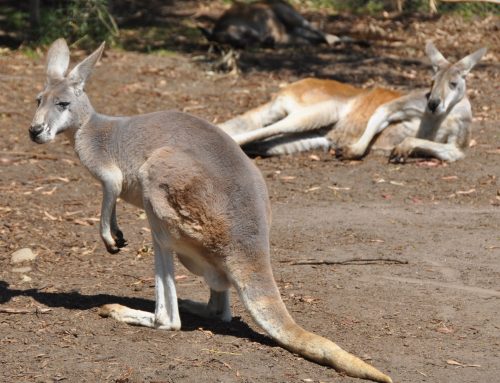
35,131
433,104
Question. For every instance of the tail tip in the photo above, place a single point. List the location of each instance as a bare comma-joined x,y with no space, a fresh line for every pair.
382,378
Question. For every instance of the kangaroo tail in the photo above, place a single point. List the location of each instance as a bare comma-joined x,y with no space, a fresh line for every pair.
261,297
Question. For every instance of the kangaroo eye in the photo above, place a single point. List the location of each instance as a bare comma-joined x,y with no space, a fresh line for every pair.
38,101
453,84
63,105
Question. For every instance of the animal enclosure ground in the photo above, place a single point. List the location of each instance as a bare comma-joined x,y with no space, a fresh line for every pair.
432,319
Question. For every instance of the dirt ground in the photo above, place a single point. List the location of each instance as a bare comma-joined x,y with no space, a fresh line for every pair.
434,316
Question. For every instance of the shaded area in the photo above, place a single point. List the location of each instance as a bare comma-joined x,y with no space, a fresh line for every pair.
170,27
73,300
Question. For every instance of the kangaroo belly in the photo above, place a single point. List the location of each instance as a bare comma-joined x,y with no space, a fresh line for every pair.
200,265
132,194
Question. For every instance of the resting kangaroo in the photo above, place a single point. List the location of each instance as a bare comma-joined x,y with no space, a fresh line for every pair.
204,199
314,113
267,22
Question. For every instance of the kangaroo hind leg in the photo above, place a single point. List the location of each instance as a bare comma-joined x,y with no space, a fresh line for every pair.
305,119
218,306
166,315
256,118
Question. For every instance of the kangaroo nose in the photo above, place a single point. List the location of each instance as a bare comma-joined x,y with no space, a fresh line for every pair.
433,104
35,130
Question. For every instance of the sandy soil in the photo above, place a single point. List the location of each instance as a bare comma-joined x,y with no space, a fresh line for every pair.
433,316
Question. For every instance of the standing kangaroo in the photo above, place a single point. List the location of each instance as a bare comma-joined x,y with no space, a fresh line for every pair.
313,113
204,199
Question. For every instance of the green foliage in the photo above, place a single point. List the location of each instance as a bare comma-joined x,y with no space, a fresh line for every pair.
468,10
13,19
81,21
377,6
31,53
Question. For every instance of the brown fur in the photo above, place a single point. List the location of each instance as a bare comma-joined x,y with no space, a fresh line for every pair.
364,103
313,90
314,113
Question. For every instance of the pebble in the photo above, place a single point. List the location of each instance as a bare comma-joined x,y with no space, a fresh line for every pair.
22,255
26,269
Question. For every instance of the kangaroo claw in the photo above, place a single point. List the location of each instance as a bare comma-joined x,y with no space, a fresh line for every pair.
112,249
119,240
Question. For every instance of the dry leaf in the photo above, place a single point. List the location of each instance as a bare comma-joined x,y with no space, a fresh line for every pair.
445,330
452,362
336,188
50,192
314,188
308,299
397,183
81,222
430,164
465,192
69,213
494,151
314,157
492,247
51,217
208,333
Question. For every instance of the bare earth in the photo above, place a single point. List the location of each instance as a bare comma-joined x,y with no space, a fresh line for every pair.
434,316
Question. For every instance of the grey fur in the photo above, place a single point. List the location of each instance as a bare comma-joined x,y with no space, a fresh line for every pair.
204,199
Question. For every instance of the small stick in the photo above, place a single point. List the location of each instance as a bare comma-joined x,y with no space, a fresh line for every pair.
9,310
30,155
353,261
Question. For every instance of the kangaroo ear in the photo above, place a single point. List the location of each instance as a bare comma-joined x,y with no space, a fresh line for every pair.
468,62
437,59
80,73
57,60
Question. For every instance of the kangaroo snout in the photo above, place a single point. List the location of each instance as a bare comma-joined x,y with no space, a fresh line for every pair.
433,104
35,131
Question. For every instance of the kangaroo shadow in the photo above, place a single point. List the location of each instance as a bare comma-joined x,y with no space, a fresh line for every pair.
74,300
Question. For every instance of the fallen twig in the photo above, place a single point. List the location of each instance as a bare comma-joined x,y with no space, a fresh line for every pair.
219,352
10,310
353,261
30,155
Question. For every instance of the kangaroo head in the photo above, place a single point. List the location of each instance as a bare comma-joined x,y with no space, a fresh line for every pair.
448,82
63,103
